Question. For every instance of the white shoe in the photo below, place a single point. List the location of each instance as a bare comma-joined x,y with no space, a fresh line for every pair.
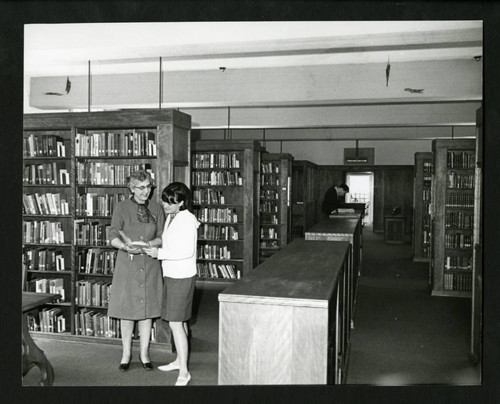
183,381
169,367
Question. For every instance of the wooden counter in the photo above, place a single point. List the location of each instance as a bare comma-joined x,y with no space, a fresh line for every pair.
343,230
286,322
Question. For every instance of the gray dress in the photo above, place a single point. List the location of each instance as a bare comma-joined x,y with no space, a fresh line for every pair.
136,290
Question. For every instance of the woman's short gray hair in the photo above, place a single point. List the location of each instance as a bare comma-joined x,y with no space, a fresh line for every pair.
139,176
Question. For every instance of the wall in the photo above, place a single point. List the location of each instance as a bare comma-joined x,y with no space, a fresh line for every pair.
393,186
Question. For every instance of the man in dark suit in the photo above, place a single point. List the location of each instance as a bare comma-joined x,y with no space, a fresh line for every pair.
331,199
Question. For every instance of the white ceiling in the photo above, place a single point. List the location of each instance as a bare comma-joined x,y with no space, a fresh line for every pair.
62,49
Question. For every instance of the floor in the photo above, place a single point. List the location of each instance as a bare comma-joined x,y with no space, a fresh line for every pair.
402,335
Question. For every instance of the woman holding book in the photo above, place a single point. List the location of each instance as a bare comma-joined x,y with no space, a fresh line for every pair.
178,260
136,290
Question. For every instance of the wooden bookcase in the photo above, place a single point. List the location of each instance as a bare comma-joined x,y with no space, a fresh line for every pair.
226,183
101,149
477,263
305,197
422,207
275,203
452,216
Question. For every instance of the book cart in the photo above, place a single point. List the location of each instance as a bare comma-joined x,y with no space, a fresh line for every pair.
75,166
226,182
422,207
452,216
275,204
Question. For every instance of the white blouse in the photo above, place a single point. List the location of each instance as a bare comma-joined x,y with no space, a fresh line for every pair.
178,251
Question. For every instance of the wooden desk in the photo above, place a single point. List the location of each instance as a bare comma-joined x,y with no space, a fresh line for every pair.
32,355
286,321
343,230
394,229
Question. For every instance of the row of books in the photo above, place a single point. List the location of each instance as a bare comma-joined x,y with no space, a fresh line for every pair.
217,215
105,173
460,180
214,252
208,197
269,218
460,159
459,200
458,282
96,324
220,178
55,173
223,271
45,204
96,261
269,194
92,234
92,204
47,285
269,180
49,320
113,144
270,167
459,220
268,206
458,240
269,244
216,160
269,232
427,167
426,195
43,259
460,262
217,232
44,146
43,232
93,293
426,236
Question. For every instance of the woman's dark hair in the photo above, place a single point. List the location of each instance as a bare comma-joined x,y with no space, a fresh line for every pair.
177,192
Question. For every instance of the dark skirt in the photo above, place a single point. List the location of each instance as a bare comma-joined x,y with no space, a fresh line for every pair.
177,302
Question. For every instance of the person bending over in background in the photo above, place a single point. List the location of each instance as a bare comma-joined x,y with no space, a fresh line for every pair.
178,260
331,199
136,290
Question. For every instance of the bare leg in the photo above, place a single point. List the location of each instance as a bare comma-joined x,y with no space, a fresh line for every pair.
181,344
127,328
145,335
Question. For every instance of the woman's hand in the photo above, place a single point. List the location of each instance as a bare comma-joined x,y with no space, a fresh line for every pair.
131,250
151,251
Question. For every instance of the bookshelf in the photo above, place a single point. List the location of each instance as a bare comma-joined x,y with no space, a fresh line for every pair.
452,216
422,206
97,151
305,196
226,182
477,268
274,206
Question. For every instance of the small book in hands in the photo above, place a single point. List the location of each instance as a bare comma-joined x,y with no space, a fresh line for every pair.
134,244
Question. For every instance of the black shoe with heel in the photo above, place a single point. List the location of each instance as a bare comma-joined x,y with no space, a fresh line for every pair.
124,366
146,365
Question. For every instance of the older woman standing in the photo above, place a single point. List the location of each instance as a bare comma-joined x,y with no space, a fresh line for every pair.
136,290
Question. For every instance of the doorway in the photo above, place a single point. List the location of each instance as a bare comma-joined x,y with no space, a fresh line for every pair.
361,190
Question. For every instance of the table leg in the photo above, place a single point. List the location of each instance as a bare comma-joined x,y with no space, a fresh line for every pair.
34,356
